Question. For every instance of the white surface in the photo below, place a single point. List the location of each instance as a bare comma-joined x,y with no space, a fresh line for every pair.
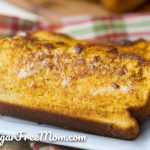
7,8
10,126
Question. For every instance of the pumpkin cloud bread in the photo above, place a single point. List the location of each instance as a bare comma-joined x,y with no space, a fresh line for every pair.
76,85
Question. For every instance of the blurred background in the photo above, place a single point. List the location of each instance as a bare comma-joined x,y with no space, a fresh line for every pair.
56,9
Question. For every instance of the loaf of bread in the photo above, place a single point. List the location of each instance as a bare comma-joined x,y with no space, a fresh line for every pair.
122,5
73,84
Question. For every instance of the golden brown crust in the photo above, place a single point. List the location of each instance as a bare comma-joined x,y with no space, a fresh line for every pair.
139,47
67,122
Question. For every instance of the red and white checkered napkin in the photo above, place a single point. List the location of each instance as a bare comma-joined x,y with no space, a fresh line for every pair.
108,28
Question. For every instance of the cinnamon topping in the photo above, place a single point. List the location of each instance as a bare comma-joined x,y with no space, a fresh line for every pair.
114,85
79,48
112,50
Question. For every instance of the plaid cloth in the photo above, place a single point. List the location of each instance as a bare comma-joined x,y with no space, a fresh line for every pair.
108,28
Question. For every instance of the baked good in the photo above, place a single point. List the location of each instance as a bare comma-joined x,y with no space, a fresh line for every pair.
56,37
122,6
83,87
140,47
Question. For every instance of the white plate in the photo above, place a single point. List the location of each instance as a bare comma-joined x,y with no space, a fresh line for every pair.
10,126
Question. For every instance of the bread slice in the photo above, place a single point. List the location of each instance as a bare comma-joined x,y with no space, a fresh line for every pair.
73,85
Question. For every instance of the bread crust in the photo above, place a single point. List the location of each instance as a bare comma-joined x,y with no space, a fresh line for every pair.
67,122
140,113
